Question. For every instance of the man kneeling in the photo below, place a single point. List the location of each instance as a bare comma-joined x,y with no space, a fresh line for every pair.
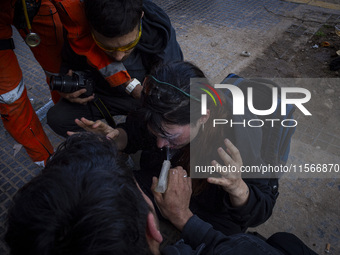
86,201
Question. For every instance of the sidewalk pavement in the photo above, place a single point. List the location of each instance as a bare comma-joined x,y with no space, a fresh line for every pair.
212,35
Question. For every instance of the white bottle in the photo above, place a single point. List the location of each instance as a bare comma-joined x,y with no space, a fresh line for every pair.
163,177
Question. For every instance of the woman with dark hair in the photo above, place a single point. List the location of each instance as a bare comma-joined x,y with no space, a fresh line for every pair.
171,117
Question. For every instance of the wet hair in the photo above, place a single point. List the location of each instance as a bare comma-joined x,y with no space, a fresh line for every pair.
166,104
84,202
171,95
112,18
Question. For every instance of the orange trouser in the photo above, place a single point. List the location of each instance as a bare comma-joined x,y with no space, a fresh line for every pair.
16,110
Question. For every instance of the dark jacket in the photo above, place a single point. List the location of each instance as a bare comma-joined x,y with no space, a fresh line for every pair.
157,44
199,237
213,204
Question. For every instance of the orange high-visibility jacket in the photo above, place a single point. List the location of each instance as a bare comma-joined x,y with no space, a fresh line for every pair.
17,113
72,15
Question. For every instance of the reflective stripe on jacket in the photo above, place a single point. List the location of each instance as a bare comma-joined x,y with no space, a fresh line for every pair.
72,15
13,95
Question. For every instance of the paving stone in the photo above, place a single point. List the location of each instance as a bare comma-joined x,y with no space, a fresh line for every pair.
215,56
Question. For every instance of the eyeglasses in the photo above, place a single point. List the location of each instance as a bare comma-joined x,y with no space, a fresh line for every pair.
123,48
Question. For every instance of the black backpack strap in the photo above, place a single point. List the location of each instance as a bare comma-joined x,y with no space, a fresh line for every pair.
104,111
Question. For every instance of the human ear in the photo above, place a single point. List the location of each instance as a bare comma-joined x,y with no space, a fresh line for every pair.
152,229
204,118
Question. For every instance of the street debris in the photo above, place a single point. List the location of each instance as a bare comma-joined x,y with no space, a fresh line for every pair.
325,44
245,54
16,148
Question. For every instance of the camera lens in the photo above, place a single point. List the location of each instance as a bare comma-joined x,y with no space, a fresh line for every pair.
55,82
64,83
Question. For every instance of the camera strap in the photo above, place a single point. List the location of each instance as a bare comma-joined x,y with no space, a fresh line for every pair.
104,111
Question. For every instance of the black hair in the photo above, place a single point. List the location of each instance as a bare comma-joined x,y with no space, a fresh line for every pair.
178,103
113,18
84,202
165,104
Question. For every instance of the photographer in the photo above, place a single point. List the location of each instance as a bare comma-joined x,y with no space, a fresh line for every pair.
171,117
117,42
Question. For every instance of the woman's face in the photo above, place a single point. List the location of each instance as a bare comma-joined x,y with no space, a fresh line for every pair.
177,136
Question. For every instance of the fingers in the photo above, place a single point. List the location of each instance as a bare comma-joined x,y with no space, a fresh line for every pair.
216,181
74,97
69,133
187,180
87,122
157,195
70,72
231,178
76,94
84,123
234,152
154,183
173,177
98,127
80,100
224,156
224,174
178,177
99,123
81,124
234,157
113,134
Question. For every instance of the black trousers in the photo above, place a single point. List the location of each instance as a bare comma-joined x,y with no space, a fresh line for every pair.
289,244
62,115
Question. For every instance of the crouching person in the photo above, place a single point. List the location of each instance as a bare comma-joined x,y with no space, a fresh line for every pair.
86,201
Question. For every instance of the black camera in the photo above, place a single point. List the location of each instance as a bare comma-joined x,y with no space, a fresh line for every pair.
78,80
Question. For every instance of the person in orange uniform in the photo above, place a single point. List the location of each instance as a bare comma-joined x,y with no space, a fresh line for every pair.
17,113
118,42
72,14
